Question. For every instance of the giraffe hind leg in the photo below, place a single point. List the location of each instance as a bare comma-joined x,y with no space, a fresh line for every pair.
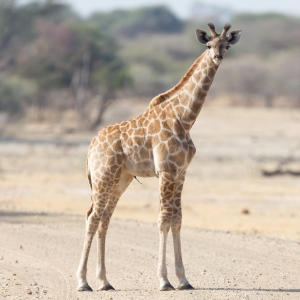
102,230
91,227
101,194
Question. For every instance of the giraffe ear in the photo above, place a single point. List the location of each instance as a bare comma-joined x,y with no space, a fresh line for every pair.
234,37
202,36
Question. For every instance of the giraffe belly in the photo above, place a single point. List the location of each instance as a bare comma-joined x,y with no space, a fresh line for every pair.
142,169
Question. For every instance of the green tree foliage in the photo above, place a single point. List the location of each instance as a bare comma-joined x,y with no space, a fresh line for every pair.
266,34
58,50
17,22
131,23
48,46
108,70
47,43
267,57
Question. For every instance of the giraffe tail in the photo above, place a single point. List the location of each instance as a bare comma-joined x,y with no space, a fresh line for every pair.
88,173
89,211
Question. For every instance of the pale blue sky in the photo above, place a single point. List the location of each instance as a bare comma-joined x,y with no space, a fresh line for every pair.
183,7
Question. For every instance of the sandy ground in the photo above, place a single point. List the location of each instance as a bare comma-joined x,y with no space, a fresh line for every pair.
39,255
242,228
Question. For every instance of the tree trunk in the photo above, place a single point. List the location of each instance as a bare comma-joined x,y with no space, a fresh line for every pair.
79,87
103,104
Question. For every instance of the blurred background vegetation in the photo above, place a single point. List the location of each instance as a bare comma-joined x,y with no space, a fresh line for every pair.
54,60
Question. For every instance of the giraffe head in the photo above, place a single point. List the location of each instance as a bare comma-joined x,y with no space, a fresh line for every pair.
218,44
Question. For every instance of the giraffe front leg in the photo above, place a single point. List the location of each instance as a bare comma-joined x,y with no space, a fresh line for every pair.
162,273
176,227
179,268
166,182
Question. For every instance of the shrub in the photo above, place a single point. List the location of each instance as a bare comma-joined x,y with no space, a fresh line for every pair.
14,93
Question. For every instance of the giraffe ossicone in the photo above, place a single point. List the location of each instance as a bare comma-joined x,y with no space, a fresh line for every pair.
156,143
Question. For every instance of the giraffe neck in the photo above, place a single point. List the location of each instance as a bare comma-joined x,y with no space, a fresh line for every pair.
193,93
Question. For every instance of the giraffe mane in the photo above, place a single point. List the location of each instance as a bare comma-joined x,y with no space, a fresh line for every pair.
171,92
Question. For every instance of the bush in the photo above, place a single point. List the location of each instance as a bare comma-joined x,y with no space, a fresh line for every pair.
14,93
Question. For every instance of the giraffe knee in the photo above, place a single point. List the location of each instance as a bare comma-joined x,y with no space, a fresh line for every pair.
104,222
176,221
164,224
176,227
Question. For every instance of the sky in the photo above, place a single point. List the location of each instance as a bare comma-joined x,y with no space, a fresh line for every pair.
183,7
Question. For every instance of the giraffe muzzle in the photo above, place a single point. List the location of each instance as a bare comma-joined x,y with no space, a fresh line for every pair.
219,57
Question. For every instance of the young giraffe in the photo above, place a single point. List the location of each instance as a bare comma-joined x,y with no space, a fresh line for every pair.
157,143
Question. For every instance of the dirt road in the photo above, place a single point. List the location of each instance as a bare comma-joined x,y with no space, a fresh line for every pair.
39,254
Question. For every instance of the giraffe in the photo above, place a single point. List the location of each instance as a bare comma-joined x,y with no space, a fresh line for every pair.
156,143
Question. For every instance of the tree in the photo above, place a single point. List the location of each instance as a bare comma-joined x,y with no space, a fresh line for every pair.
48,44
97,70
130,24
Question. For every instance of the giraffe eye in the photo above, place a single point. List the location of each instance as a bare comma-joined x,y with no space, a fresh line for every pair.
208,46
227,47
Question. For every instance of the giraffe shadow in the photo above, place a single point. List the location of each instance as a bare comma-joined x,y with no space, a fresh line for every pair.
216,289
23,217
250,290
5,213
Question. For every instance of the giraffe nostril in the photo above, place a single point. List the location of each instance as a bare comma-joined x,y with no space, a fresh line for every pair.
218,56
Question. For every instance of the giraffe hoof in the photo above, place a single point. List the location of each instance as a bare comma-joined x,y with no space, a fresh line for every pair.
84,288
185,287
106,288
167,287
